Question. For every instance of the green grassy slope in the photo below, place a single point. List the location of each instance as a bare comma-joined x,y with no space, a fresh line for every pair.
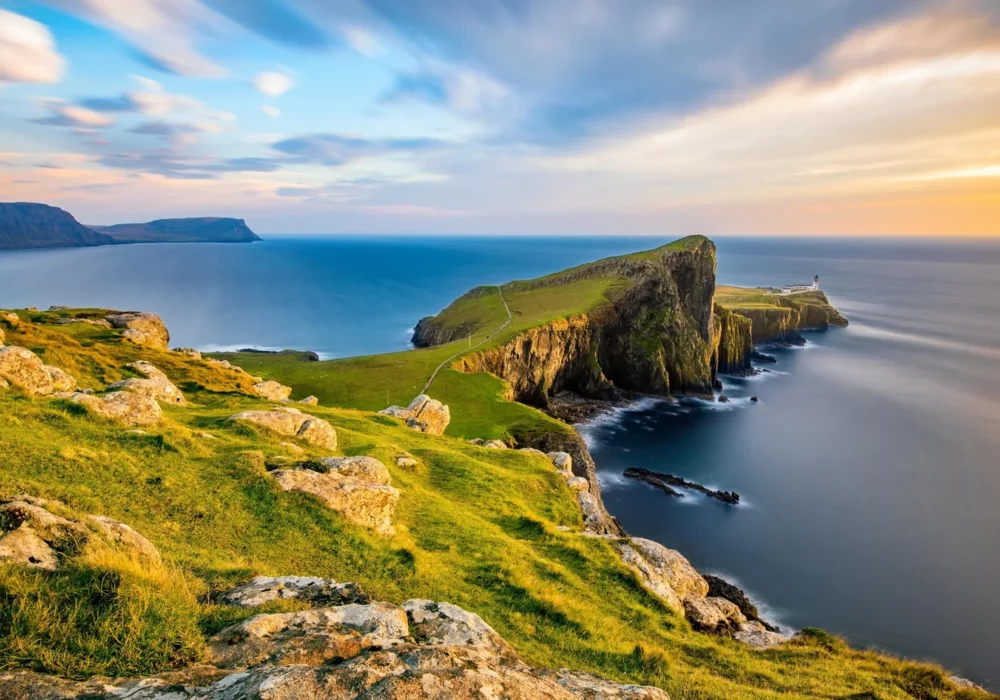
476,527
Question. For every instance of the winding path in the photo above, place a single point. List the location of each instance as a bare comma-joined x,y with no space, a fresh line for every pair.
484,340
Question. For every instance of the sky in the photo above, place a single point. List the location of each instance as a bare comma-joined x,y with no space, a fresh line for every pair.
769,117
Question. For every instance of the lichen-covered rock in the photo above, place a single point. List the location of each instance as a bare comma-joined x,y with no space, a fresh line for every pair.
142,328
531,451
360,467
309,636
11,318
272,390
124,537
584,685
713,614
320,592
444,624
406,461
292,422
24,546
562,461
189,352
123,407
61,380
495,445
665,572
577,484
424,414
364,503
754,634
309,401
25,370
155,384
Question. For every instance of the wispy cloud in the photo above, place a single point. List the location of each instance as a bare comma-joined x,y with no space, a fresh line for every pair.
27,51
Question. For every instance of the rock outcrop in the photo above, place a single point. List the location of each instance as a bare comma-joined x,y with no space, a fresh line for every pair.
155,384
31,225
24,369
421,649
285,420
356,488
424,414
124,407
32,536
142,328
308,589
272,390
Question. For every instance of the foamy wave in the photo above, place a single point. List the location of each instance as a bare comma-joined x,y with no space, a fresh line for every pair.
612,419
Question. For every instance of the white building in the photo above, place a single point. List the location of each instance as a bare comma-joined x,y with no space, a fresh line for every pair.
814,287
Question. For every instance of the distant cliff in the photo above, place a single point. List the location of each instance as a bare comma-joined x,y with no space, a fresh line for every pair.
28,225
195,230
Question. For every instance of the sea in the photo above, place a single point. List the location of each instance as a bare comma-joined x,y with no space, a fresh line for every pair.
868,469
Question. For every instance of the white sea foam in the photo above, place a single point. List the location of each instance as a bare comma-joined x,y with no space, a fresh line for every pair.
611,421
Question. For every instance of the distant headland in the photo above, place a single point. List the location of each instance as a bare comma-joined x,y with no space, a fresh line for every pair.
29,225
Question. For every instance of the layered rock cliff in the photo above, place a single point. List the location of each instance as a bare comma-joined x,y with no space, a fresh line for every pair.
652,333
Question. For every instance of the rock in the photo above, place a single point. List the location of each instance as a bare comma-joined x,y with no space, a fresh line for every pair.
61,380
720,588
99,322
11,318
444,624
291,422
293,448
189,352
360,467
309,401
561,461
479,442
755,635
713,614
665,572
754,399
25,370
531,451
123,407
272,391
594,515
125,537
155,384
24,546
723,399
144,329
966,684
584,685
364,503
424,414
205,436
405,462
495,445
317,591
578,483
666,482
309,636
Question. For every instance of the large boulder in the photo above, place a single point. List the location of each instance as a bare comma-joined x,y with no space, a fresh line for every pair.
272,391
360,467
424,414
143,329
292,422
364,503
24,369
444,624
123,407
665,572
754,634
61,380
713,614
316,591
154,384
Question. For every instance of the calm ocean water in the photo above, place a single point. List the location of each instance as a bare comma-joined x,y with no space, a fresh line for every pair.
870,469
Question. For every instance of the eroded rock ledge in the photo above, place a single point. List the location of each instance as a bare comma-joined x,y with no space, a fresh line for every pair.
420,649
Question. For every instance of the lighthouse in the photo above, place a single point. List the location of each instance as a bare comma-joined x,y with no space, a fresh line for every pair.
816,283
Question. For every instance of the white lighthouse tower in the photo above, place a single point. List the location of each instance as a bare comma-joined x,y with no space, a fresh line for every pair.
816,283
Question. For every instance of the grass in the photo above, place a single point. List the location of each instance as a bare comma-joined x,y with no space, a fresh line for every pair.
476,527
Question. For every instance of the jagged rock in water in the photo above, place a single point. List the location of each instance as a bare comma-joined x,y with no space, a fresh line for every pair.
272,390
24,369
291,422
755,634
155,384
713,614
142,328
123,407
317,591
309,401
360,467
720,588
424,414
421,650
364,503
666,572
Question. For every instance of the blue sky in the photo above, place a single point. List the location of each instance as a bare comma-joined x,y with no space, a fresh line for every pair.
508,116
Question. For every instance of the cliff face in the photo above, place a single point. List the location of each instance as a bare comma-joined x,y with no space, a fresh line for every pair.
27,225
655,335
789,315
733,342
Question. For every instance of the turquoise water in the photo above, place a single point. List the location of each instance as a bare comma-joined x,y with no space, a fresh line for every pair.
870,468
